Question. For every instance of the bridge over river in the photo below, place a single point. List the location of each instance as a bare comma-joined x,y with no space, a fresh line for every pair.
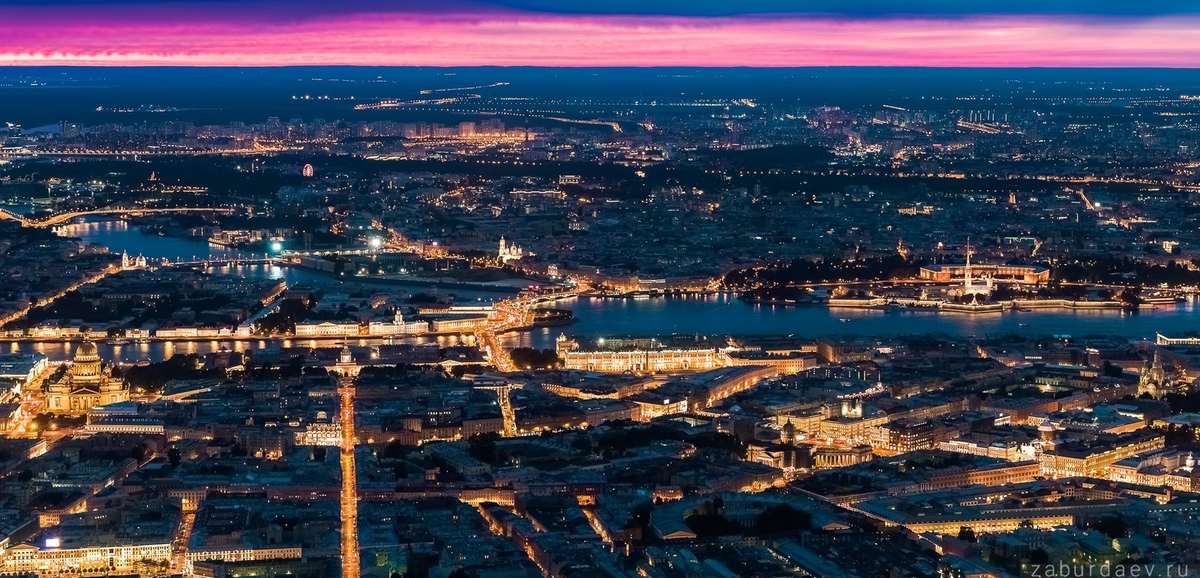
60,218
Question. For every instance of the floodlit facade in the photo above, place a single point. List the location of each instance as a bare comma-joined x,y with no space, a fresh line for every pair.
87,384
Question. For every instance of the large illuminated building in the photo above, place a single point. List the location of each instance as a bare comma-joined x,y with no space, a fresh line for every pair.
126,537
638,357
56,558
1017,274
86,384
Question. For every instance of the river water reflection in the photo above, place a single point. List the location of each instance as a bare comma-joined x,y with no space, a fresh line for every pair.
705,315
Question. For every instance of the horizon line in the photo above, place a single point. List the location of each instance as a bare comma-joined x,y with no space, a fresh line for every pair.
749,67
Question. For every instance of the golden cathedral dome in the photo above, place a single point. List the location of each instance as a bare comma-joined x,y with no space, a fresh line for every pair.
86,349
87,365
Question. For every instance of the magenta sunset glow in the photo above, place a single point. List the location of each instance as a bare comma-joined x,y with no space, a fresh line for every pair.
278,33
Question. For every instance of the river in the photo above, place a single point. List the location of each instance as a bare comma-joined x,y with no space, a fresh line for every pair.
703,315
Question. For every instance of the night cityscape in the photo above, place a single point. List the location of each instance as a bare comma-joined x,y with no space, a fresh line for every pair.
522,289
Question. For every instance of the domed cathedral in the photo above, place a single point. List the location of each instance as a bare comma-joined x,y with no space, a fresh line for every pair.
1155,379
86,384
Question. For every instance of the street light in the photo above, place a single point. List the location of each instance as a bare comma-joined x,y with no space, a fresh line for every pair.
276,247
376,243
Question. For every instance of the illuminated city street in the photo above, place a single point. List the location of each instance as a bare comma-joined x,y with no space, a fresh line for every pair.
349,493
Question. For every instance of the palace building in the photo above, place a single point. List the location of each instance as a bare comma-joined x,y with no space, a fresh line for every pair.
1017,274
86,384
639,356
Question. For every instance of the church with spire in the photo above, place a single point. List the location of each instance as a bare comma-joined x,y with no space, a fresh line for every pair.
86,384
1155,379
972,289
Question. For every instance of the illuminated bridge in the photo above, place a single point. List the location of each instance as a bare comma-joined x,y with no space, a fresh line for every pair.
330,252
506,315
131,211
223,262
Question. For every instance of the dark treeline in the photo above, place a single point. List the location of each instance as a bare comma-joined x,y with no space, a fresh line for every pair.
824,271
530,358
73,305
1125,270
154,376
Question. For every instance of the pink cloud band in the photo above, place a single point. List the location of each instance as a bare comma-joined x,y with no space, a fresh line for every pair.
33,37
